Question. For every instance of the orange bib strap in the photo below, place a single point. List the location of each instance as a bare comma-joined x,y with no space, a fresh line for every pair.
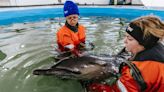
136,74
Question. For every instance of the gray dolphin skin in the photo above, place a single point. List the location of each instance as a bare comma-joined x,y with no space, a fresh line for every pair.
82,68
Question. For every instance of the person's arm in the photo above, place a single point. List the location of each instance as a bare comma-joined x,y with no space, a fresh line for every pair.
69,44
124,84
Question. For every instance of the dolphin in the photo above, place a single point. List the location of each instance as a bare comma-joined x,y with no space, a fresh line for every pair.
84,68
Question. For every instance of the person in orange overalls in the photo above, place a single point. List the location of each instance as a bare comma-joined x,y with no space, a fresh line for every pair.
71,37
145,73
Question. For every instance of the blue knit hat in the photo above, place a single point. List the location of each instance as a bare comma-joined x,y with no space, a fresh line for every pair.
70,8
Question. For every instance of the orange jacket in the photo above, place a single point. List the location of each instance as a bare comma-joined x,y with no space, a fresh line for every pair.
152,73
65,37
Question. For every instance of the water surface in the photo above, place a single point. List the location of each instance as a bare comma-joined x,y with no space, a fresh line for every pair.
27,46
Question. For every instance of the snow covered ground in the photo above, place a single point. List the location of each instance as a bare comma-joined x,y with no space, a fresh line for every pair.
148,3
43,2
153,3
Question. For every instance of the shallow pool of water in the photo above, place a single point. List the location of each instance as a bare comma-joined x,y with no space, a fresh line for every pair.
27,46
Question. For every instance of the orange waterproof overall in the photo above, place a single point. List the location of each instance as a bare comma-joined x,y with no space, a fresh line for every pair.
65,36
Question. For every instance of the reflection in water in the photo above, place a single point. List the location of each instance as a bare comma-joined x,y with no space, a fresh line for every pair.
27,46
